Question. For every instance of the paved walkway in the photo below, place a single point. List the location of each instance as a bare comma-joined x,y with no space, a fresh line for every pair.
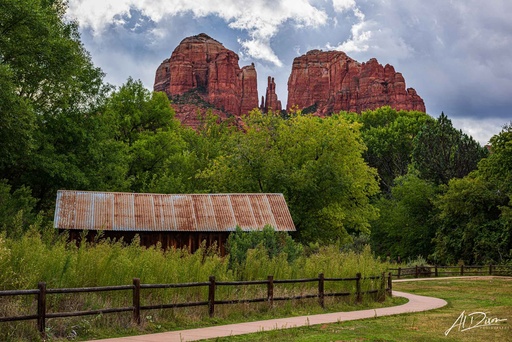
476,277
416,303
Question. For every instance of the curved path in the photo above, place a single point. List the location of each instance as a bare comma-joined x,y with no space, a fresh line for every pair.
416,303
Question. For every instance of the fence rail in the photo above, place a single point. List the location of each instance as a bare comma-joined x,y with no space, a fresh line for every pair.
384,288
444,271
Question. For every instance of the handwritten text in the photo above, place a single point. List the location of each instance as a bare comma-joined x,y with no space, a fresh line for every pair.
474,320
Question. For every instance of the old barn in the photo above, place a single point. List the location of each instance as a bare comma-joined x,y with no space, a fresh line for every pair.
178,221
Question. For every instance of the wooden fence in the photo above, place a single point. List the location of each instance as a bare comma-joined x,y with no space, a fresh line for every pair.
385,287
446,271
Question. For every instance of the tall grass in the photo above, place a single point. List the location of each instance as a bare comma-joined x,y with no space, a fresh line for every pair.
29,260
36,257
50,258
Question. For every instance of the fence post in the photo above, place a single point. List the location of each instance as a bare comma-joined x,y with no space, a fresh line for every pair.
416,272
382,292
399,271
270,291
41,309
436,272
390,285
358,288
490,269
136,300
211,296
321,290
461,270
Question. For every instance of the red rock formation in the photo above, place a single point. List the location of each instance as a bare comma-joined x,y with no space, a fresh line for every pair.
270,102
202,74
162,77
329,82
248,78
203,64
194,116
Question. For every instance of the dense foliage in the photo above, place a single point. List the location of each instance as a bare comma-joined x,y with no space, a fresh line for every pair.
442,152
274,243
475,211
434,202
390,135
42,255
406,224
316,163
49,99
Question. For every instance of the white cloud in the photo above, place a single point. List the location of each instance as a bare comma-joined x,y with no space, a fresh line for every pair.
343,5
360,31
358,42
482,129
259,18
259,49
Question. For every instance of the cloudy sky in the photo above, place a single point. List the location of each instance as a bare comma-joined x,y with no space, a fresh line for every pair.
456,54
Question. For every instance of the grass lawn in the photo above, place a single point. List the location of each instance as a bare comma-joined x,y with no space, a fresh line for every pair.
491,296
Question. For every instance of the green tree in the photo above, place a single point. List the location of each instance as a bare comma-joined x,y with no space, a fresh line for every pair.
442,152
143,122
16,209
243,166
80,154
17,124
133,110
274,243
471,229
205,144
53,90
316,163
43,51
406,224
389,135
497,168
475,212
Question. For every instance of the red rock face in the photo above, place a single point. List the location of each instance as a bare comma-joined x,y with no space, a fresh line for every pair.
202,74
331,81
162,77
270,102
201,63
193,116
249,80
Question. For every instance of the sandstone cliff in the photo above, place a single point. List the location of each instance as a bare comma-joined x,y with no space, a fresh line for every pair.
328,82
270,102
203,65
202,74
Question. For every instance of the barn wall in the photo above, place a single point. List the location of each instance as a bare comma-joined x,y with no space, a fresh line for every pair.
178,240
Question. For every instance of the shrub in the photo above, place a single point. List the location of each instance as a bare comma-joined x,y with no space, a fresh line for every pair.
272,242
16,209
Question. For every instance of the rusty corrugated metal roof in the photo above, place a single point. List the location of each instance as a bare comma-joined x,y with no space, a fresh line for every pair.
121,211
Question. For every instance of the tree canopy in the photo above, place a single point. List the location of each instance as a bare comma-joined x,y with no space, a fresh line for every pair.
389,136
51,88
407,221
316,163
442,152
475,212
